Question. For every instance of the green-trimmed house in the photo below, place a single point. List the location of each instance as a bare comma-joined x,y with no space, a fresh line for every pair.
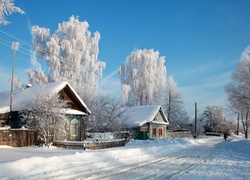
76,112
148,122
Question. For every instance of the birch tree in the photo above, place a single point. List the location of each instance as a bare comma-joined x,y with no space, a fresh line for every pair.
16,82
46,115
238,89
143,78
213,119
173,104
107,114
71,55
7,7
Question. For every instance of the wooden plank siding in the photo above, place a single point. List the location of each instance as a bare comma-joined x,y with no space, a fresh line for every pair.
18,137
68,95
4,119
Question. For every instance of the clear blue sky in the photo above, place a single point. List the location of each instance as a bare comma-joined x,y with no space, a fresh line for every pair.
201,39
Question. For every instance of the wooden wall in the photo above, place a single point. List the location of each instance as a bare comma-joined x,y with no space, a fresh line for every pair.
17,137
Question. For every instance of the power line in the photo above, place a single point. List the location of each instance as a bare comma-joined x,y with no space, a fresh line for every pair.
5,41
24,42
15,38
8,44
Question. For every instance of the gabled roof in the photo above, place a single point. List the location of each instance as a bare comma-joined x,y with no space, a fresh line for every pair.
22,97
139,115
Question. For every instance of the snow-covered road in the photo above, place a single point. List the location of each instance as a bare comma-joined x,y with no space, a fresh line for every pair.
202,158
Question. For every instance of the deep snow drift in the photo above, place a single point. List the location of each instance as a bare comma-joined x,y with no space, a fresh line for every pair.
201,158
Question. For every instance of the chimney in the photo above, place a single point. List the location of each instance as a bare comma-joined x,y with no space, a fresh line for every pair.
28,86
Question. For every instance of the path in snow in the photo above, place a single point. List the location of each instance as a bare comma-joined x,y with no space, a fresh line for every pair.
206,161
206,158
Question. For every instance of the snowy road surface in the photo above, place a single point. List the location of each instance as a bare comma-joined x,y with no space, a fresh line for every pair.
202,158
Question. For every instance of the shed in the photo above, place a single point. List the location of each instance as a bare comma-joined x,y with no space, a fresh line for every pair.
148,122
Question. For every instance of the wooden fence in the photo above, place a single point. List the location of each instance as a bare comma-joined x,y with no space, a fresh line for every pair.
89,144
17,137
180,134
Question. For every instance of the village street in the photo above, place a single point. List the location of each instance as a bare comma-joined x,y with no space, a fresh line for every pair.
203,158
204,161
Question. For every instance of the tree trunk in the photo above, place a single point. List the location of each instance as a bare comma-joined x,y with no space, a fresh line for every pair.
246,127
169,105
54,134
238,124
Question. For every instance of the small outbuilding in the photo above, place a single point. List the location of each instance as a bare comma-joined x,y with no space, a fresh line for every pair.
147,122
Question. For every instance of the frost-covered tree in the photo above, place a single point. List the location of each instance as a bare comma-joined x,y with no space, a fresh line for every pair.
71,55
143,78
239,89
16,82
7,7
37,76
173,104
46,115
199,126
213,119
107,114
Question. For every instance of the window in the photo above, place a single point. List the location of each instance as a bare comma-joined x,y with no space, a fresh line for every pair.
153,132
74,127
160,132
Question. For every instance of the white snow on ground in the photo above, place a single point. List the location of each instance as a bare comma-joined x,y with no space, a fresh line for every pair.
201,158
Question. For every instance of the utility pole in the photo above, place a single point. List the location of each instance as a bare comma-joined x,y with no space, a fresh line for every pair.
15,46
195,120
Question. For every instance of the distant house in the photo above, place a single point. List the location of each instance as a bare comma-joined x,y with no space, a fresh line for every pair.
181,127
148,122
76,113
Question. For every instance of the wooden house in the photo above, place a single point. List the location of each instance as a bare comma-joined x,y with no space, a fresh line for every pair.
76,112
148,122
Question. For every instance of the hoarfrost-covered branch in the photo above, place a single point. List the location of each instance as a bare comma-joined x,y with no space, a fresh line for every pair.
7,7
143,78
71,55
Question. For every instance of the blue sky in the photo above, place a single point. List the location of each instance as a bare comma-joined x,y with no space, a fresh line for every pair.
201,39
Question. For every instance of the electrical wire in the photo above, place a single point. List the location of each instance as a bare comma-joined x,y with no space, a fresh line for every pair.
9,44
15,38
24,42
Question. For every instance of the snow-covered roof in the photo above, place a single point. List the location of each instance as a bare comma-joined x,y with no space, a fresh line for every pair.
73,111
139,115
4,109
22,97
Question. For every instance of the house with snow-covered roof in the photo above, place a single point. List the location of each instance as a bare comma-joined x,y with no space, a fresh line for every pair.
148,122
76,112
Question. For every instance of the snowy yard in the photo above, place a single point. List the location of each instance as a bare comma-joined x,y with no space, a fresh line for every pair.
202,158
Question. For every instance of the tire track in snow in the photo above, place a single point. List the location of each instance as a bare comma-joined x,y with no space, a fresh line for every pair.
181,160
170,166
173,157
174,164
72,170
